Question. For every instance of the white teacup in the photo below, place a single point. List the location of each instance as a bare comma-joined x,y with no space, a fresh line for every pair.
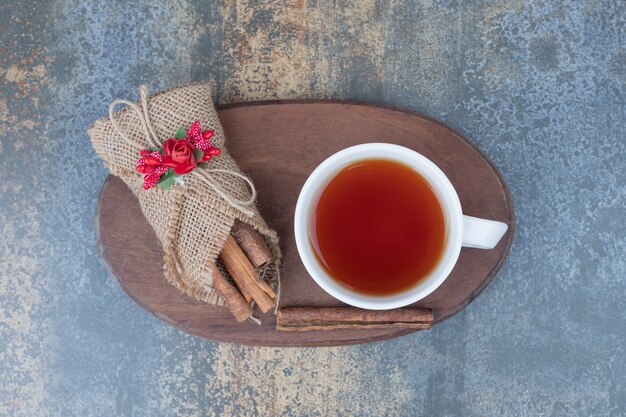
461,230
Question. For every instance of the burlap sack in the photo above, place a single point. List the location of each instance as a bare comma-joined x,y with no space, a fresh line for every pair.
192,220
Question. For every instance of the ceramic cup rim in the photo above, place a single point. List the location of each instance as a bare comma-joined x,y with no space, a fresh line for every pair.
441,185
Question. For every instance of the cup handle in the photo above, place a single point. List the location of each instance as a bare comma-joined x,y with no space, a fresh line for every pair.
482,233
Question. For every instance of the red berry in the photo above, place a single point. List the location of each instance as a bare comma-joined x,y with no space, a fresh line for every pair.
145,169
150,160
208,134
213,151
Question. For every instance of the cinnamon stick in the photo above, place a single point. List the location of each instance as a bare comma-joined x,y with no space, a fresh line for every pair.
244,274
301,319
268,290
256,250
252,243
234,300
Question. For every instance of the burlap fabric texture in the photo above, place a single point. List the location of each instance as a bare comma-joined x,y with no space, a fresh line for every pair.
192,220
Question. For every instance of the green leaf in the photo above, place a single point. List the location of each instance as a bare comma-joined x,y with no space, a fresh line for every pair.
168,174
167,179
168,183
180,134
198,154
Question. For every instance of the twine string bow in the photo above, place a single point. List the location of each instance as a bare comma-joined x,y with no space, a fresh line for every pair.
204,175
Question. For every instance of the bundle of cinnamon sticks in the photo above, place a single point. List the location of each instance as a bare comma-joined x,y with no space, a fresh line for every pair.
244,251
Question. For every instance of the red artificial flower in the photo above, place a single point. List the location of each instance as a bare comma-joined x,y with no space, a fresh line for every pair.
178,154
150,180
202,140
150,164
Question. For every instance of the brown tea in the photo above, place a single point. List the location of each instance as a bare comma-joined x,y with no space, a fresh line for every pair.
378,227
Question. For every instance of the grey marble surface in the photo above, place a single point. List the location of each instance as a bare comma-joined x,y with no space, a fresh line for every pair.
539,86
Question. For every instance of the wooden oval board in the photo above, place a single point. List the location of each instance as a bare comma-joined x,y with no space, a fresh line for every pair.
278,144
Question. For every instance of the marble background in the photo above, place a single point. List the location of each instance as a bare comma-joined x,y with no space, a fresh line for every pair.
539,86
